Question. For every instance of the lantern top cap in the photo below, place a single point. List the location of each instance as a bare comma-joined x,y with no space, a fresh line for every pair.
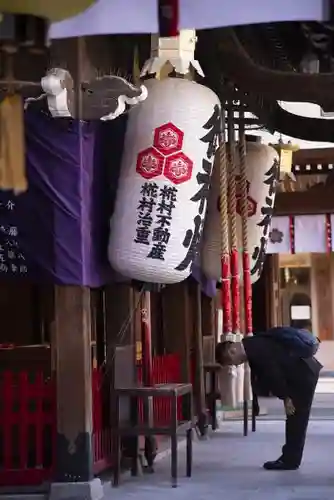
178,51
288,146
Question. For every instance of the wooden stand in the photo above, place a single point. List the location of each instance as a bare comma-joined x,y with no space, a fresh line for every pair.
212,393
133,429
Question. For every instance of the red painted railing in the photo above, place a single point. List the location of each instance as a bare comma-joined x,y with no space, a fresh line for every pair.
27,428
166,369
28,421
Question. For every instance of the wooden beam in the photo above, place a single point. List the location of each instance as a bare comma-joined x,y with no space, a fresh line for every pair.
317,201
263,87
236,63
316,156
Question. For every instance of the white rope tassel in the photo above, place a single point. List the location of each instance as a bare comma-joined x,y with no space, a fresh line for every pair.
227,386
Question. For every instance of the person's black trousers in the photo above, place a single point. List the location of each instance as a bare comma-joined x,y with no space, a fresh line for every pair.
296,425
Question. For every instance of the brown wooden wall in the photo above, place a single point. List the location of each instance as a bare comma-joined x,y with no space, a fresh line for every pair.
25,313
26,316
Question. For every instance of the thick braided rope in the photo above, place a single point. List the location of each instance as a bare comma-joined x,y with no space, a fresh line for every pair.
232,205
244,219
223,206
243,187
232,188
224,234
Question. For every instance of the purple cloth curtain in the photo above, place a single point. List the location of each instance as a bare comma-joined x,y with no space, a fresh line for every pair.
56,226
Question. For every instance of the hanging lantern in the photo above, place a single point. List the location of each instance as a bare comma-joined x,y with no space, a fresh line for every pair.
262,175
48,9
164,182
24,34
285,152
166,170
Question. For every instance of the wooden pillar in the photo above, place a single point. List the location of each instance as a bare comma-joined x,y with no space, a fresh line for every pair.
322,298
197,342
208,315
120,318
72,350
176,317
266,299
122,304
121,301
273,295
209,328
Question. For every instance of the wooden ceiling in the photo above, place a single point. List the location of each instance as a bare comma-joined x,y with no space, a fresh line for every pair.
265,63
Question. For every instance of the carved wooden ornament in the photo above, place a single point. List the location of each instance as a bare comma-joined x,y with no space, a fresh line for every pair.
103,98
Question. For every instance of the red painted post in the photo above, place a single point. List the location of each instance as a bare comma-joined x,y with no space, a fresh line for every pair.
39,422
53,416
24,419
247,295
7,418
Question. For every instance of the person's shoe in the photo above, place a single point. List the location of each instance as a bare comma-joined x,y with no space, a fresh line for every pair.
279,465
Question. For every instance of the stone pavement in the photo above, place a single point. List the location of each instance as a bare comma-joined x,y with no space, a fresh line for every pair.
322,408
229,466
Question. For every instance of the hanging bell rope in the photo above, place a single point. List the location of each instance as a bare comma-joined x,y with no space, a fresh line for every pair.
238,378
232,209
244,219
247,288
227,375
224,233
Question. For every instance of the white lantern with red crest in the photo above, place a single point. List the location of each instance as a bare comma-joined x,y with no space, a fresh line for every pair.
262,175
164,182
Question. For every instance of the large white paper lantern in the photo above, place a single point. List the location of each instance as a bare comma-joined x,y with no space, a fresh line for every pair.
164,183
262,175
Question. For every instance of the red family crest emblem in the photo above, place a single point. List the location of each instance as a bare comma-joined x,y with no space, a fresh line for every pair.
150,163
165,157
